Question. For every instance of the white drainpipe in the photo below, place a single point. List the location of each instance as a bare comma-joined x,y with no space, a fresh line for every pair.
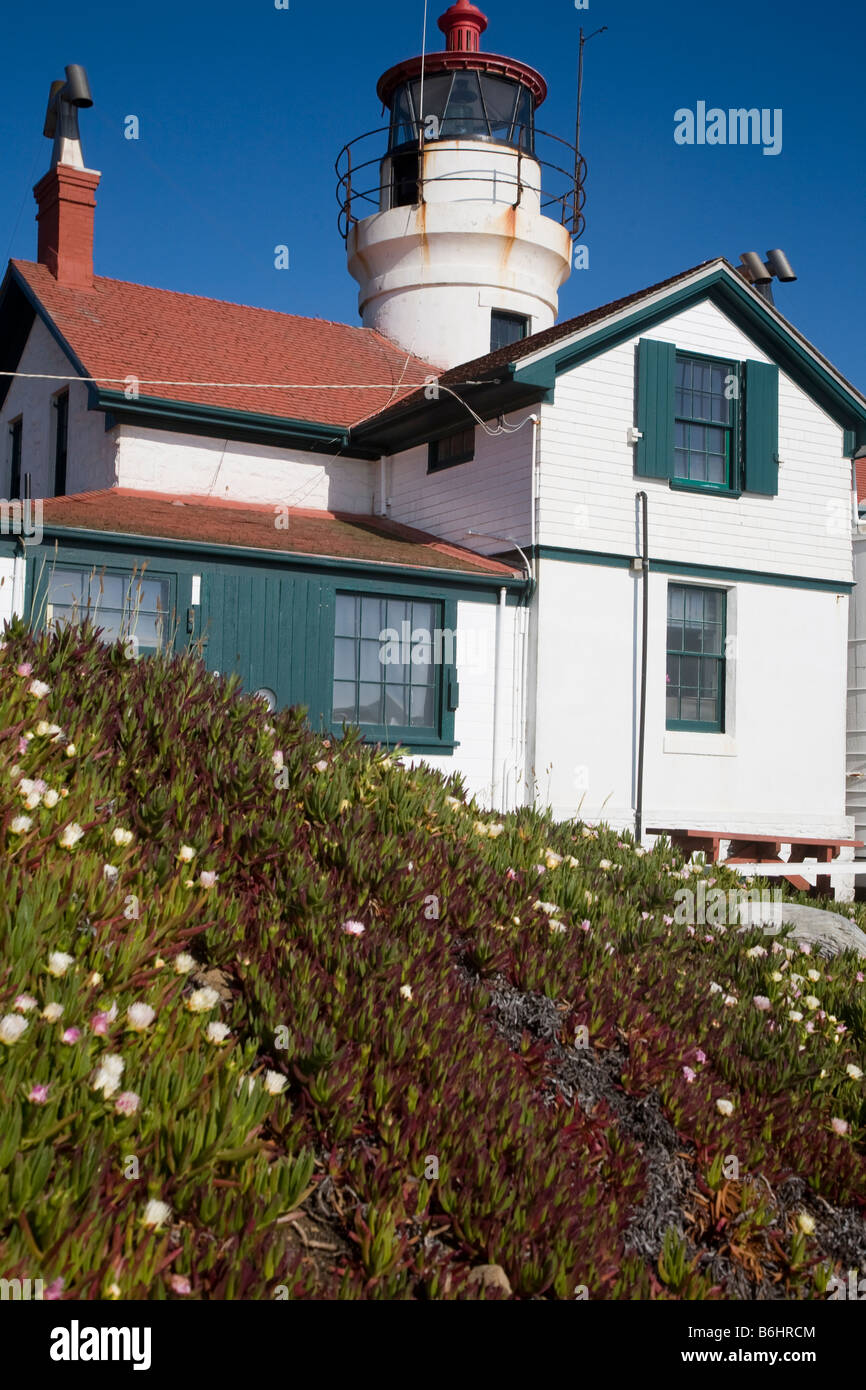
382,509
498,682
19,574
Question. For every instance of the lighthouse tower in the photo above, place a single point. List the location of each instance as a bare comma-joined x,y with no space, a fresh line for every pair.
454,234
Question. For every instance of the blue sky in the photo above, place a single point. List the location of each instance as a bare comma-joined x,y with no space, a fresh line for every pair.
243,109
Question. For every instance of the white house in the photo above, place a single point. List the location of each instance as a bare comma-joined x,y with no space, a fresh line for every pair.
603,565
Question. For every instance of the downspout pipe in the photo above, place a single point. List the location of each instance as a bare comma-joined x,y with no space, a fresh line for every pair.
641,498
496,783
19,572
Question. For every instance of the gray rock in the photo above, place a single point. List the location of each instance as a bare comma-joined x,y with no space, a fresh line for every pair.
827,933
491,1277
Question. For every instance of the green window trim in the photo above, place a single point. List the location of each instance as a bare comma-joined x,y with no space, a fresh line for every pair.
123,614
687,365
696,632
358,653
752,449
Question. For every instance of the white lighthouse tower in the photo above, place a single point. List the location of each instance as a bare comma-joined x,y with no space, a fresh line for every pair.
458,240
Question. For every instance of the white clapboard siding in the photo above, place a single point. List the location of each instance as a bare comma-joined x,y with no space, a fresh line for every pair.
588,481
492,492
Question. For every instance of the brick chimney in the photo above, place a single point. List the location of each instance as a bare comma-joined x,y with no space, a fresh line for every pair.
66,198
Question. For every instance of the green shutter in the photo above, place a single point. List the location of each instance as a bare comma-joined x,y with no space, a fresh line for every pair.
761,472
656,377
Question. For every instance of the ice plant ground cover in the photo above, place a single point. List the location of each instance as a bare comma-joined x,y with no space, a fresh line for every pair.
280,1017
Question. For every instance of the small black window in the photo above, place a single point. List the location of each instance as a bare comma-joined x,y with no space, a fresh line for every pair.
506,329
404,179
15,443
454,448
61,433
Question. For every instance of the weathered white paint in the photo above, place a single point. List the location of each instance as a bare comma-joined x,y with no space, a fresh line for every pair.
7,581
90,452
780,763
165,461
429,274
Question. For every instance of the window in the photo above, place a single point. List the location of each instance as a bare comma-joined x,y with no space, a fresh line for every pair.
695,658
705,444
61,434
506,329
468,105
404,179
454,448
693,435
130,607
15,441
386,676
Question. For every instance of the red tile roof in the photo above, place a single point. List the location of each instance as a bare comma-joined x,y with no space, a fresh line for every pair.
119,329
336,535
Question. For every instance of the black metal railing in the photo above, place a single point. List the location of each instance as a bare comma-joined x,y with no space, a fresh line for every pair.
359,190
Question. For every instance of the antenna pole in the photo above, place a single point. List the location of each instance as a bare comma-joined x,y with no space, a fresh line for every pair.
584,39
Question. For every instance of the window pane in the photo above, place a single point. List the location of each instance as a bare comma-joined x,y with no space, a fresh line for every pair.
422,617
692,638
422,706
344,701
345,616
372,615
673,707
465,114
396,707
372,667
676,600
398,613
345,650
689,705
370,699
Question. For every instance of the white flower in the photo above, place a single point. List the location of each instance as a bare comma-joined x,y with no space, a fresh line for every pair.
50,798
573,863
795,1016
207,878
140,1016
493,831
811,1002
20,825
406,991
756,951
94,979
604,864
552,859
725,1107
71,835
11,1027
550,908
217,1032
201,1000
714,988
25,1003
558,927
814,975
110,872
71,750
107,1075
353,928
730,1001
39,689
321,765
854,1072
278,759
156,1213
59,962
52,1012
777,975
32,801
43,728
121,837
184,963
274,1083
186,854
806,1223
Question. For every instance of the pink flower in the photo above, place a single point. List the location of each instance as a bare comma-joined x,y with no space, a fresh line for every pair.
24,1003
71,1035
859,977
25,669
38,1094
644,916
668,921
700,1056
54,1291
509,873
22,745
689,1074
207,878
839,1126
690,931
353,928
100,1023
761,1001
127,1103
180,1284
585,924
708,937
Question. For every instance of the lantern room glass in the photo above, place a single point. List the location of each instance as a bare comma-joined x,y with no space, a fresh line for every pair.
468,105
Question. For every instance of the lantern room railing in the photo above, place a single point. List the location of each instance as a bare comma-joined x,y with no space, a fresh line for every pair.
562,195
